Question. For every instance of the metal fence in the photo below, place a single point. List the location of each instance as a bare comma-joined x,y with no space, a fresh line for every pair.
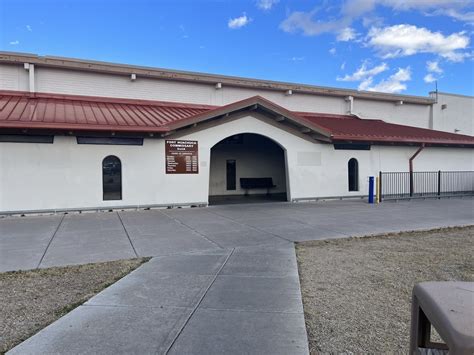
422,184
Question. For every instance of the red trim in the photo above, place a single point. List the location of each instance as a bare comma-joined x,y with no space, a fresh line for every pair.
82,127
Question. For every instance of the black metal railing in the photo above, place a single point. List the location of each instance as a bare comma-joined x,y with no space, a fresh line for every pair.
421,184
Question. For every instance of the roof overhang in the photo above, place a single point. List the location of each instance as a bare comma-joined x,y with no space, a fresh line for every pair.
404,142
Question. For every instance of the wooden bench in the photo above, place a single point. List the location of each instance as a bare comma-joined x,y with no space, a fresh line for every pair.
257,183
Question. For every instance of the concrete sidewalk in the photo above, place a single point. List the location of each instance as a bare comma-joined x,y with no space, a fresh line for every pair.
239,301
44,241
223,279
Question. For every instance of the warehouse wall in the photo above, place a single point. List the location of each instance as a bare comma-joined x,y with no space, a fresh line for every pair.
457,116
14,77
67,175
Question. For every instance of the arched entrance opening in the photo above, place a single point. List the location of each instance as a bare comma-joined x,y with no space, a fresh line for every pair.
247,168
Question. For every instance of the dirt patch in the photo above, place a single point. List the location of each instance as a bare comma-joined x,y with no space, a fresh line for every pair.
357,291
30,300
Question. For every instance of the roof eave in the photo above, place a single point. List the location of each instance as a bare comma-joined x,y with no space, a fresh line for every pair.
250,104
403,141
79,128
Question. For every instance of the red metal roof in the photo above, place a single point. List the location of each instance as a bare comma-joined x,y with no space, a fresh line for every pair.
67,112
23,110
351,128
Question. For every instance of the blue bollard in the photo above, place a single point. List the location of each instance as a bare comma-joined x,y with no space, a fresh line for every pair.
371,189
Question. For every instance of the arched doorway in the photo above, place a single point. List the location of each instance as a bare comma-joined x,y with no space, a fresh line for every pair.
246,168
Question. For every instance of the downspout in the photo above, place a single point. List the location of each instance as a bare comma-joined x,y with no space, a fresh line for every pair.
31,76
350,100
410,162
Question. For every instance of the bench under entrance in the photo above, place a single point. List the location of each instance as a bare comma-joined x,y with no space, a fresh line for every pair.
247,168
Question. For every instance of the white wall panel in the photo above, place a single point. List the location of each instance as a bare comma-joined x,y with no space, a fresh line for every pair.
457,117
13,77
406,114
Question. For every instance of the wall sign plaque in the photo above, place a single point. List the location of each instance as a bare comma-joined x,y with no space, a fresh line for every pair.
181,157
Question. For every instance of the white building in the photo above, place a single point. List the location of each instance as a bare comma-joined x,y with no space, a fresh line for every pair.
78,134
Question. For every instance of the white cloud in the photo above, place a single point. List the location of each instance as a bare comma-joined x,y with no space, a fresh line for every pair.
460,16
300,21
332,51
393,84
14,43
429,78
433,67
364,73
266,4
346,34
308,23
239,22
405,40
372,21
343,65
404,5
28,28
297,59
365,84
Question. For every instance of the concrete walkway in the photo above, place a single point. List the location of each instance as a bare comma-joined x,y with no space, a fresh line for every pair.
44,241
223,279
229,301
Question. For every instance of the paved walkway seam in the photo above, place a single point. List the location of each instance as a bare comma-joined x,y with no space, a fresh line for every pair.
128,236
132,306
193,230
251,227
51,240
247,311
199,302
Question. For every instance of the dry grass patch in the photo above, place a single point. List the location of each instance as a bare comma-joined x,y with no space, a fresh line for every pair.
30,300
357,291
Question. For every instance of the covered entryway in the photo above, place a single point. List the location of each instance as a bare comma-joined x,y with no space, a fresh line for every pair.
247,168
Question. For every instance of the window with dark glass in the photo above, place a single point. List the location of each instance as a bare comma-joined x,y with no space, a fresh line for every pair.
112,178
353,174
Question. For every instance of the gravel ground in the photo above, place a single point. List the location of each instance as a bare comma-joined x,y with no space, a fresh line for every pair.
30,300
357,291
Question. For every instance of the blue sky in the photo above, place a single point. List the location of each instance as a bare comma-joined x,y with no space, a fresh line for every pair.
399,46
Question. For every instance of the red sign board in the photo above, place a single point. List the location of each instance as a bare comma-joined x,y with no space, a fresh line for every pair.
181,157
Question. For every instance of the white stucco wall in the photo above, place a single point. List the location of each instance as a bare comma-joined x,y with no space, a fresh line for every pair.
67,175
53,80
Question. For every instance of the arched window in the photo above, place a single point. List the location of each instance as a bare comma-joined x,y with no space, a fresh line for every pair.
353,174
111,178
